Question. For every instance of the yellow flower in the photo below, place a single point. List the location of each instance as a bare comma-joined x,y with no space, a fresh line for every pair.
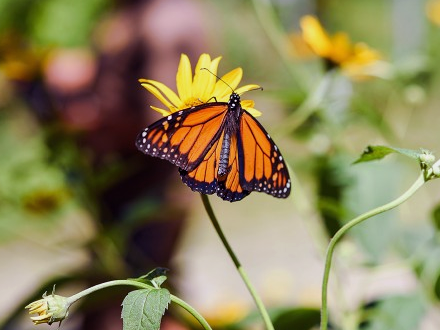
354,59
19,61
433,11
52,308
297,46
203,88
226,314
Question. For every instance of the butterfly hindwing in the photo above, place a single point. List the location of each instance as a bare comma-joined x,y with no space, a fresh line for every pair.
262,167
185,137
204,178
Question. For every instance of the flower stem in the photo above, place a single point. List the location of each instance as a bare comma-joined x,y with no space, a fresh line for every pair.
309,105
244,276
341,232
138,284
274,30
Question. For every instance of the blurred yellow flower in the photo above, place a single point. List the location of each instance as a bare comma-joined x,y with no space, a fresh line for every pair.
43,200
203,88
18,60
298,48
226,314
433,11
354,59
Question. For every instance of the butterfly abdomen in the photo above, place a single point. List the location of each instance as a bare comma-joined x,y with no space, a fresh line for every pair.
231,128
224,156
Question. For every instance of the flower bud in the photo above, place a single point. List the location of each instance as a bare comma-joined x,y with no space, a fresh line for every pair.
426,158
52,308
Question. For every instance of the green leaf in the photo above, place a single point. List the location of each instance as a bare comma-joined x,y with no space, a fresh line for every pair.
156,276
143,309
397,313
378,152
377,235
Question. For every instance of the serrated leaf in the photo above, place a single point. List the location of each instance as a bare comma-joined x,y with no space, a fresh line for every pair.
378,152
143,309
159,280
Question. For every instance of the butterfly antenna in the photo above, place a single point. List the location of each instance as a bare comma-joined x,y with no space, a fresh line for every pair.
256,88
218,78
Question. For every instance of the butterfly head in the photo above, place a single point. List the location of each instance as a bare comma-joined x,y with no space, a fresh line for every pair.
234,101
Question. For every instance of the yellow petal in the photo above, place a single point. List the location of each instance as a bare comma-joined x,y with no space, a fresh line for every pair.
210,86
37,306
201,76
161,91
364,54
433,11
184,78
204,80
163,112
247,88
342,48
40,319
247,103
253,112
315,36
203,62
230,81
298,47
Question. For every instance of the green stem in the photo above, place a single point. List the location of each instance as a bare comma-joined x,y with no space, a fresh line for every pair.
308,106
138,284
341,232
277,36
253,292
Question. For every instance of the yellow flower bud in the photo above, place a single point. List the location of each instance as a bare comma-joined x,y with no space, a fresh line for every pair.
52,308
426,159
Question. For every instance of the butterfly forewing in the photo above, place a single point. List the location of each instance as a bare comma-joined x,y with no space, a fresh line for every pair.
185,137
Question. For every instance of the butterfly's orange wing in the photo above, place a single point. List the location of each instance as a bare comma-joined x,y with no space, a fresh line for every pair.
262,168
192,139
255,164
185,137
205,178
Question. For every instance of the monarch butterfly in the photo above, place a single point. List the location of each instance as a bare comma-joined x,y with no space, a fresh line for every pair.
219,148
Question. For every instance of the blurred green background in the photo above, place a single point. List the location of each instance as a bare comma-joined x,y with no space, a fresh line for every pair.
79,205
